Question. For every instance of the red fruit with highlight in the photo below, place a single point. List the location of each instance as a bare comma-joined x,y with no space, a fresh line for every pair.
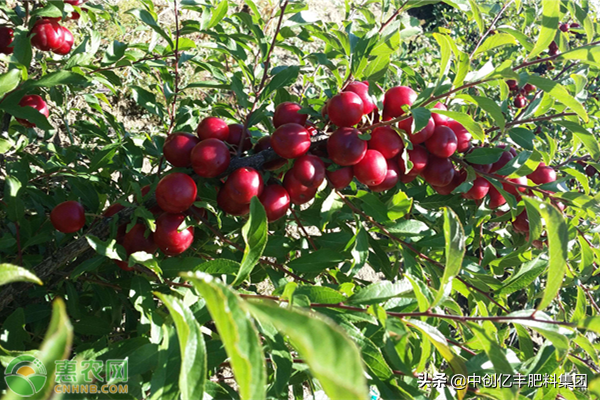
419,157
563,27
520,101
480,189
362,90
178,149
439,171
422,135
496,199
512,84
372,169
395,98
543,174
521,223
287,112
34,101
226,202
506,156
345,109
463,136
276,201
516,190
68,217
6,39
309,170
391,178
243,184
386,141
47,35
68,41
235,135
167,236
113,209
176,192
290,140
528,88
345,147
457,180
440,119
136,240
299,194
264,143
443,142
340,178
210,158
213,127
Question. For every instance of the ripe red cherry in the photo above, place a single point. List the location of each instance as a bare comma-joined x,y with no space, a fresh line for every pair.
457,180
34,101
113,209
345,109
287,112
47,35
243,184
136,240
68,217
227,203
176,192
210,158
340,178
504,158
312,130
362,90
386,141
419,157
553,49
345,148
264,143
213,127
480,188
543,174
168,238
520,101
178,148
299,194
309,170
496,199
514,190
590,170
290,140
422,135
528,88
391,178
68,41
276,201
463,136
6,39
512,84
75,2
235,135
439,171
521,223
440,119
395,98
372,169
443,142
564,27
485,168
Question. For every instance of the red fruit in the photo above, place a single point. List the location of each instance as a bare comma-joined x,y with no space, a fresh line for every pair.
439,171
213,127
145,190
514,190
362,90
345,109
485,168
345,148
340,178
521,223
574,25
309,170
391,178
176,192
553,49
457,180
75,15
287,112
136,240
504,158
480,188
123,265
290,140
34,101
276,201
564,28
440,119
210,158
443,142
496,199
299,194
395,98
113,209
178,148
68,217
75,2
243,184
264,143
227,203
47,35
512,84
372,169
68,41
528,88
6,39
419,157
520,101
463,136
168,238
422,135
235,135
386,141
543,174
312,130
590,170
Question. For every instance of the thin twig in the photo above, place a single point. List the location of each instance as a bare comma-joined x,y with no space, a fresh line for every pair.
303,229
393,17
482,37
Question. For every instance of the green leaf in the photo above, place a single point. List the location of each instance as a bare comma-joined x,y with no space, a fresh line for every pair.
9,81
218,14
465,120
455,251
377,68
255,234
489,106
106,249
586,54
587,138
477,16
550,17
492,349
191,345
150,20
421,117
398,206
484,155
521,279
317,261
27,113
445,51
283,78
238,333
559,93
520,36
494,41
12,273
380,291
57,78
12,187
330,355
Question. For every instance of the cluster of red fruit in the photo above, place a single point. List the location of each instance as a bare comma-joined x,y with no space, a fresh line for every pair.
520,94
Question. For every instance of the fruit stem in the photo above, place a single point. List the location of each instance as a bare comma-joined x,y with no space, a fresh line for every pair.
303,229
